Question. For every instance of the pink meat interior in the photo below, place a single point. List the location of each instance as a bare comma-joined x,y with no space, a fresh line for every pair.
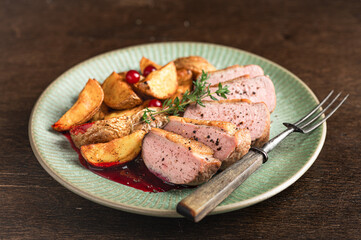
221,143
243,115
168,160
234,72
258,89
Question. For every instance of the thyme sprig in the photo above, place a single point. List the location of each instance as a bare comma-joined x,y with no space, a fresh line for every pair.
201,91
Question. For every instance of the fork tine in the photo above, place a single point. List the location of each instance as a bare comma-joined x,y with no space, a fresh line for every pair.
318,115
314,110
324,119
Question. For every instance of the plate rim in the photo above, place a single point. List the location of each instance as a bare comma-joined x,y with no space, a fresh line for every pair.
168,212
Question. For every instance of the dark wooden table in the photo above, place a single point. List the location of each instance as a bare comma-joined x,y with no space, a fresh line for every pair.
320,41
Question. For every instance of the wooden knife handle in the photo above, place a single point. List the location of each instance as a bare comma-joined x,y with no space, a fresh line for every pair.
206,197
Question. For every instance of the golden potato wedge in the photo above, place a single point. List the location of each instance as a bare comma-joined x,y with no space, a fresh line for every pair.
101,113
88,103
115,152
160,84
180,91
185,82
184,76
194,63
118,94
144,62
128,112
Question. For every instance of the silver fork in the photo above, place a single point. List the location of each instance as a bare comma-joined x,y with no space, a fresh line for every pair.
206,197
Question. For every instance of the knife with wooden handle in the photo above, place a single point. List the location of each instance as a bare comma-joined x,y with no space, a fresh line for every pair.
206,197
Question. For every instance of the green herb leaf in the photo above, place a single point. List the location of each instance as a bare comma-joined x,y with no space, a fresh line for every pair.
213,98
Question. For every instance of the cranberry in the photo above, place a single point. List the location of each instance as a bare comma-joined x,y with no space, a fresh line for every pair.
155,103
148,69
132,76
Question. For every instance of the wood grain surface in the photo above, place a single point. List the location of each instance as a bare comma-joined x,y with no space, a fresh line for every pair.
319,41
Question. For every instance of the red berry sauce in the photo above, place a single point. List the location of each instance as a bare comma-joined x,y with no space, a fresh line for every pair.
81,128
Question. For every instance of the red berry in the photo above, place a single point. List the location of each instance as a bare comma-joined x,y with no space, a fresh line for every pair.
148,69
155,103
132,76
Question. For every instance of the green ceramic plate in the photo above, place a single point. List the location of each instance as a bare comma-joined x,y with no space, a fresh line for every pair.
287,163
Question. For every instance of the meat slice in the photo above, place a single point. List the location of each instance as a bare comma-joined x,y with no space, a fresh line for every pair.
233,72
228,143
100,131
243,113
178,160
257,89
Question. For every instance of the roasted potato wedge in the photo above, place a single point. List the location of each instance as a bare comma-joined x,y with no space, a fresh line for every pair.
101,113
128,112
185,82
194,63
101,131
180,91
144,62
160,84
88,103
184,76
115,152
118,94
159,121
